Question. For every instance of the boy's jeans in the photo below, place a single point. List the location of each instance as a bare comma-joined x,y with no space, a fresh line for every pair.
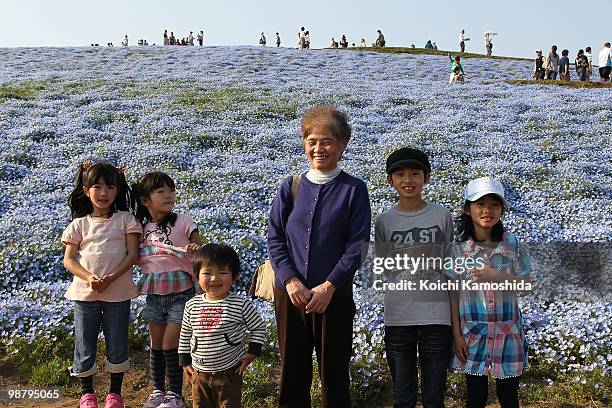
434,346
114,317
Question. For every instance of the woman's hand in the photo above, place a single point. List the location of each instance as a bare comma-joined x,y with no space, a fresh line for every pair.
245,360
298,293
460,348
190,373
321,296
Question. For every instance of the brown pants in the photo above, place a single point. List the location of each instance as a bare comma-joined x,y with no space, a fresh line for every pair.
330,334
219,390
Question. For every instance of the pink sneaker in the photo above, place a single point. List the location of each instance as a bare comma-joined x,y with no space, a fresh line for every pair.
113,401
88,401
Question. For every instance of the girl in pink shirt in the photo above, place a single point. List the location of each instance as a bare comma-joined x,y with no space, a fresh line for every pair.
101,247
167,280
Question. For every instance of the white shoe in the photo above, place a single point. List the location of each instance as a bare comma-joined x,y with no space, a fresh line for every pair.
155,399
173,401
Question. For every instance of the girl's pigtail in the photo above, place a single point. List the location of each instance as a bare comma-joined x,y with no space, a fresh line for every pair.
78,202
123,202
142,213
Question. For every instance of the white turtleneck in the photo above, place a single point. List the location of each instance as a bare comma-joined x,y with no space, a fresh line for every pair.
322,177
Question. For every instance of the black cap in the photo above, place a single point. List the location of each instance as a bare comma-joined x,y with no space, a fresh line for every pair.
408,157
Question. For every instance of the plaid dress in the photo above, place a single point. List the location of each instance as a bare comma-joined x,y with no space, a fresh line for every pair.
491,321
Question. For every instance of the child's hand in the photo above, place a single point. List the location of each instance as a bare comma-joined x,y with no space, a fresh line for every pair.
245,361
460,348
103,283
190,373
96,284
486,274
192,247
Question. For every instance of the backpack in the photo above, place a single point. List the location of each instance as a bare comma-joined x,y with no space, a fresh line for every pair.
262,284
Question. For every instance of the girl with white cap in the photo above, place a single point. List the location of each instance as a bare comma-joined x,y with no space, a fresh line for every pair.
486,321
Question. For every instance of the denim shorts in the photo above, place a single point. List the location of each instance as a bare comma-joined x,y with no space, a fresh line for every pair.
164,309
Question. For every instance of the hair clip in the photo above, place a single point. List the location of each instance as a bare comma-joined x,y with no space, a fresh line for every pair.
121,170
85,164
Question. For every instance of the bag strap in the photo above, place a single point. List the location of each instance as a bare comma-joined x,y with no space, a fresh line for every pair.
295,185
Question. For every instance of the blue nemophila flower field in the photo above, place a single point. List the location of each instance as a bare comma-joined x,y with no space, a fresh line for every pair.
224,123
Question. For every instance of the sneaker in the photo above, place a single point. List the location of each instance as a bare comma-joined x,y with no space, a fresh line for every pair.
88,401
113,401
173,401
155,399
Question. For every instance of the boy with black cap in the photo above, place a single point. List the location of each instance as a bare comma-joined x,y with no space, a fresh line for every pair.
414,318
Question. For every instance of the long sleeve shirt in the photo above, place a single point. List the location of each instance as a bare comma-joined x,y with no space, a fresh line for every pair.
455,65
212,332
320,238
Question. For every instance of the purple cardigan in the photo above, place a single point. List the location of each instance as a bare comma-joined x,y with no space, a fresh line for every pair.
322,237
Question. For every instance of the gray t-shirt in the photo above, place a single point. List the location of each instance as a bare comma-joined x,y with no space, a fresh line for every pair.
419,234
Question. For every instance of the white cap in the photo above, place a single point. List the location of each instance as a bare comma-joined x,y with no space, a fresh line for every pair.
480,187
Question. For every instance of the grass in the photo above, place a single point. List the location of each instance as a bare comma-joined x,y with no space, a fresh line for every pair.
424,51
27,90
567,84
263,103
43,363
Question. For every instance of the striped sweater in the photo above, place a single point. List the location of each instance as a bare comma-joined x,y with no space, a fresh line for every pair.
212,333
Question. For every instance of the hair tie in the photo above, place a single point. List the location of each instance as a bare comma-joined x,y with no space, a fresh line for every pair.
121,170
85,165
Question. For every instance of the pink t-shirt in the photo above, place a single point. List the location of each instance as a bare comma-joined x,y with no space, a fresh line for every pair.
102,247
153,261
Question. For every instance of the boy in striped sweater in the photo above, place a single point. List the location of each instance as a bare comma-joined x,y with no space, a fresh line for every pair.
211,348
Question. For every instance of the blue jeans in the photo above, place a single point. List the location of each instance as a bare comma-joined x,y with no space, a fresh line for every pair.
114,317
434,346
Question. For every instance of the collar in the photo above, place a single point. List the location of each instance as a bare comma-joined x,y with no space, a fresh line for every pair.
322,177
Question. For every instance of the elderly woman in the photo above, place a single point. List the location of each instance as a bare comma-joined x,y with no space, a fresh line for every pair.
315,248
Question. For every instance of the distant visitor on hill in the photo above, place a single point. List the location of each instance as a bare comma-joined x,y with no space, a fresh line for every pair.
344,42
334,43
435,46
278,40
172,38
582,66
605,62
363,43
307,39
462,40
125,41
429,45
190,38
201,38
587,53
456,70
262,40
489,41
302,39
166,40
380,39
539,71
551,63
564,63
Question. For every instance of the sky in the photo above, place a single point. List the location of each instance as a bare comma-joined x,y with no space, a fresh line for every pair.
523,26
